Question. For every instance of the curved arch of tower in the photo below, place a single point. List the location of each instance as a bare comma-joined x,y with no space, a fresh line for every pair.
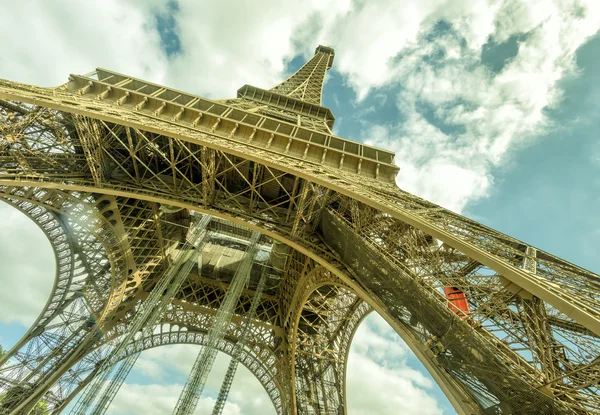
246,226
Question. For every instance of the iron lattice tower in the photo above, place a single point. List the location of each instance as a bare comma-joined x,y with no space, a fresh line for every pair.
113,169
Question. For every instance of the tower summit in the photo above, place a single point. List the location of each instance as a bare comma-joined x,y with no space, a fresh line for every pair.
307,84
247,227
298,99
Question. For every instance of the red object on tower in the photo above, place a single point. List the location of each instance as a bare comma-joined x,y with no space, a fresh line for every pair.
457,301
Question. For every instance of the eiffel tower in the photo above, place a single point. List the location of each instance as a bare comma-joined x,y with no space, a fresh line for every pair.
247,227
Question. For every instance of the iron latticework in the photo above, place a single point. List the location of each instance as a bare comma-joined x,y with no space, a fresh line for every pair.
114,170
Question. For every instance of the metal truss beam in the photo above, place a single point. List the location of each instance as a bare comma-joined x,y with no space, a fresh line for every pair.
307,84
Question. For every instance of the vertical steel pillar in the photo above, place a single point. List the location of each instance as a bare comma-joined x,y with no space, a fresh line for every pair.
231,369
192,390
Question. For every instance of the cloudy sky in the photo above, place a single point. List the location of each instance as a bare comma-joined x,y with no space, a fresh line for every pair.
491,106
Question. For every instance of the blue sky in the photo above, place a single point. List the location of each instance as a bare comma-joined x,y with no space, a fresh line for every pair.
549,193
491,106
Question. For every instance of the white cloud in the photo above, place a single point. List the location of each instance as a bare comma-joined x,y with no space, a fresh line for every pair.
46,41
162,364
242,42
27,268
135,399
152,362
367,36
479,117
379,378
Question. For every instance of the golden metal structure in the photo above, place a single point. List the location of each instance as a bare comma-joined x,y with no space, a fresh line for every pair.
110,167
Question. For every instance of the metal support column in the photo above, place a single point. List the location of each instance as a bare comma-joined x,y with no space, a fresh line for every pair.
231,369
192,390
152,308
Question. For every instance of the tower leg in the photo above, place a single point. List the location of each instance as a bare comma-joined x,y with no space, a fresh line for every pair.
322,350
22,398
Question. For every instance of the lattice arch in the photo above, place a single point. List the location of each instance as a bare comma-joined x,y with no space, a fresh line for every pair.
58,214
327,314
254,359
81,248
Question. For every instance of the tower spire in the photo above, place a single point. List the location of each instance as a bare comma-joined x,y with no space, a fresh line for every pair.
296,100
307,83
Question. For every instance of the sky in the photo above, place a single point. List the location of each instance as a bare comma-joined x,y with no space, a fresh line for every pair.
490,105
